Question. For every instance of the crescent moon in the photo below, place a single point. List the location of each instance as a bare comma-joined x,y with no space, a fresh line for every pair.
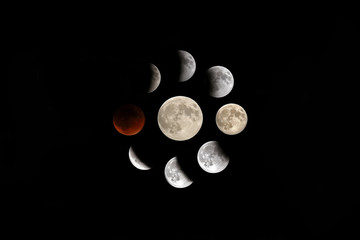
155,78
187,65
136,161
175,175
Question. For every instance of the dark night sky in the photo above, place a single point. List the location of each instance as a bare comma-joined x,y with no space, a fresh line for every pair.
292,173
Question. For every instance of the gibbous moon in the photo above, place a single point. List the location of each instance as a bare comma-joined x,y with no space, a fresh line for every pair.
136,161
220,81
180,118
212,158
129,119
155,78
175,176
231,119
187,65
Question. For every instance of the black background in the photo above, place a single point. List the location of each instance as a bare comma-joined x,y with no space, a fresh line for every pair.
65,170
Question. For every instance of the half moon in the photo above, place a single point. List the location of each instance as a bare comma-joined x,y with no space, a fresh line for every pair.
220,81
174,174
155,78
187,65
212,158
136,161
231,119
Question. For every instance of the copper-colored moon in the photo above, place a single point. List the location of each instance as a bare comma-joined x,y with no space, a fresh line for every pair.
129,119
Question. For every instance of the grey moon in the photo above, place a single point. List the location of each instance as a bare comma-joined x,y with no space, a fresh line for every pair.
155,78
212,158
175,176
231,118
180,118
220,81
135,160
187,65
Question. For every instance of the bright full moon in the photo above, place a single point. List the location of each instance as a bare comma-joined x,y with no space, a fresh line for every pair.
180,118
231,119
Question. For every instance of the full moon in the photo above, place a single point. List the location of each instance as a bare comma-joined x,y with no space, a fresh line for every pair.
175,176
155,78
136,161
231,119
212,158
129,119
180,118
220,81
187,65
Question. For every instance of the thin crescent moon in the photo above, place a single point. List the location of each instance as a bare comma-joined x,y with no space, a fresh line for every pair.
135,160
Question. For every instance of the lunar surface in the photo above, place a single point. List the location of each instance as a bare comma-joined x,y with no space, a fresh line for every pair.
136,161
231,119
212,158
155,78
129,119
175,176
187,65
180,118
220,81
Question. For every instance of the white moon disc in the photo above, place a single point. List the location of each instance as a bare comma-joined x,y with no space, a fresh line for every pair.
135,160
187,65
212,158
175,176
231,119
180,118
155,78
220,81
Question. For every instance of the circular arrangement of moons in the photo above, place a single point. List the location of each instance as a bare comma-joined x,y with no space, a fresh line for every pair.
129,119
231,119
175,175
220,81
212,158
136,161
155,78
187,65
180,118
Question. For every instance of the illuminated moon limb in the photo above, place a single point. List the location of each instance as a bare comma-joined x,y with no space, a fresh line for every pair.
212,158
155,78
175,176
180,118
187,65
135,160
231,119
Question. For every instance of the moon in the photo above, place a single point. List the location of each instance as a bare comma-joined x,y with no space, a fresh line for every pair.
231,119
136,161
180,118
129,119
175,176
220,81
187,65
155,78
212,158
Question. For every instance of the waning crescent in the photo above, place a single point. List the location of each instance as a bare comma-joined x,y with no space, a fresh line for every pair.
135,160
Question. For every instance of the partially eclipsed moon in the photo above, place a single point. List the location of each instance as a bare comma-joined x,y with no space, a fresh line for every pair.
136,161
187,65
155,78
220,81
180,118
212,158
129,119
231,119
175,176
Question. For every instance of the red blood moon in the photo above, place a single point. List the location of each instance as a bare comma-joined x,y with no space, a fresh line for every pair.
129,119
